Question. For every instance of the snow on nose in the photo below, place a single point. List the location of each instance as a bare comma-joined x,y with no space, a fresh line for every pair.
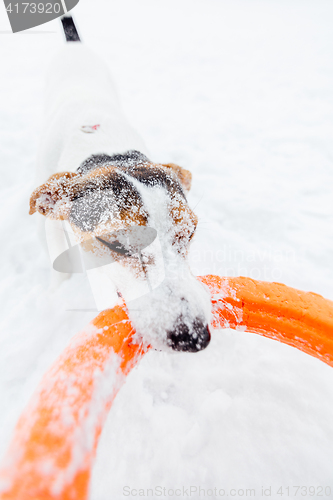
193,339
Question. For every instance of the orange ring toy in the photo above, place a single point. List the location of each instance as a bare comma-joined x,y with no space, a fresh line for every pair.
55,440
301,319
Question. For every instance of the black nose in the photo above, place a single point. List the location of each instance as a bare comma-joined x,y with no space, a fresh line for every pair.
194,339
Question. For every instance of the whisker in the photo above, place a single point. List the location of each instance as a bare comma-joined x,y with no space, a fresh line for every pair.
199,201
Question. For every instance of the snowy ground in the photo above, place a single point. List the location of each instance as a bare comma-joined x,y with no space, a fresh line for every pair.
240,93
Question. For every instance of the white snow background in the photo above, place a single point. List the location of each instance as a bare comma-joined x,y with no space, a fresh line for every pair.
240,92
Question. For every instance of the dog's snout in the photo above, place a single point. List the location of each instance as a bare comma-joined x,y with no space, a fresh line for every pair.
189,339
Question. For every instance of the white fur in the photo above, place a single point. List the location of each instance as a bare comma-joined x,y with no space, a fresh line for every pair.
80,92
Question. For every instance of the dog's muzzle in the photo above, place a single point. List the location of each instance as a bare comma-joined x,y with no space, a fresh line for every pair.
183,338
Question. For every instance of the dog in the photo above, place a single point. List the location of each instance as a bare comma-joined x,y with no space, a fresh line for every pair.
128,215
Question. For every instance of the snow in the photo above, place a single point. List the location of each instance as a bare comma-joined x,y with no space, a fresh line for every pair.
240,93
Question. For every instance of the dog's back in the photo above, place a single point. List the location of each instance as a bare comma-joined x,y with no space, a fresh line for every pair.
83,115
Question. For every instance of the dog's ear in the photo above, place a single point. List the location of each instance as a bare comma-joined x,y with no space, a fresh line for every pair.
183,175
51,198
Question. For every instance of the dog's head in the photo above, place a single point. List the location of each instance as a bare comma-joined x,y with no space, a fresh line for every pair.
104,201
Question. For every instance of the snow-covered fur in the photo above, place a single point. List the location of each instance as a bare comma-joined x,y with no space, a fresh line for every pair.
102,186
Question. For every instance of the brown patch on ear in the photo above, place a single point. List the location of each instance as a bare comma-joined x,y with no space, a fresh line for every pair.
183,175
185,221
45,198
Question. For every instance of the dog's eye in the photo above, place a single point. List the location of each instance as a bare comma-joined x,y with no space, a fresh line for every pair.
130,241
115,246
